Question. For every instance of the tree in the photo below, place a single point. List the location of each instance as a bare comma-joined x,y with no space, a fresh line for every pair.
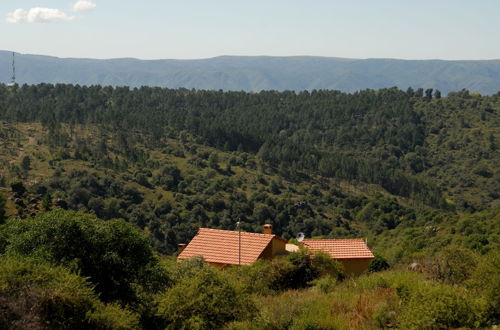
428,93
437,94
26,163
18,188
115,256
213,161
47,202
2,208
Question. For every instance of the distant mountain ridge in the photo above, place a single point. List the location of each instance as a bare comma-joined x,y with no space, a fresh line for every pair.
256,73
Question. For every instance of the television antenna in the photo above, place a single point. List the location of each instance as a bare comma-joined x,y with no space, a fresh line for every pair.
300,237
13,79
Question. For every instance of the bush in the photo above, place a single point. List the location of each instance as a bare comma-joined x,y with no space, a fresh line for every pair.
324,265
300,268
256,278
435,306
113,317
485,281
207,300
36,295
18,188
185,269
294,271
453,265
378,264
114,255
325,284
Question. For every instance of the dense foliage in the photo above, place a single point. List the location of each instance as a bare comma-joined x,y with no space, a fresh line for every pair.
377,137
35,295
296,160
114,255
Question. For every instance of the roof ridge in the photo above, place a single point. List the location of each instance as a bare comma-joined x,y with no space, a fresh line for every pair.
332,239
243,232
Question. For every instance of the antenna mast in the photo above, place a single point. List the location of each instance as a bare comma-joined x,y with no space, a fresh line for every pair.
238,224
13,68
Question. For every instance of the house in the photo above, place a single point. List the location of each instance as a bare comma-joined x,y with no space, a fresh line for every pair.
352,253
224,248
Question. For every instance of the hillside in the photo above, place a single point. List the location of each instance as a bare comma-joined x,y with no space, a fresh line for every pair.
327,164
256,73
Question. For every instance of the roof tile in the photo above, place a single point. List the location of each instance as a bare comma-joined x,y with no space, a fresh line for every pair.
221,246
346,248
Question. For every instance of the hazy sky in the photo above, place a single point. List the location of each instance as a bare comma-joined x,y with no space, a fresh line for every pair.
444,29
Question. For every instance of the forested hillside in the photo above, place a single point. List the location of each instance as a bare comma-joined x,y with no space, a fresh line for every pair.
415,172
172,160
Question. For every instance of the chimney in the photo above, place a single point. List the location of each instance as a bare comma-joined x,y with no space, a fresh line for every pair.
268,229
181,247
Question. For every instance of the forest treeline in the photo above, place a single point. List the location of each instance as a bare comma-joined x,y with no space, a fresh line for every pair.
383,137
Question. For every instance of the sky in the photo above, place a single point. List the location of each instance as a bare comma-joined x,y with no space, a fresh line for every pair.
187,29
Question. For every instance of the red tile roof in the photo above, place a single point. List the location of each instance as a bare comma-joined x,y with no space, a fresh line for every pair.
221,246
346,248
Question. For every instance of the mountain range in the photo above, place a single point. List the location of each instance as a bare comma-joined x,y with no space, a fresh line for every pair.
256,73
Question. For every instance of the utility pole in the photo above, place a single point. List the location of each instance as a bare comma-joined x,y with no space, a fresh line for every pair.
13,68
238,224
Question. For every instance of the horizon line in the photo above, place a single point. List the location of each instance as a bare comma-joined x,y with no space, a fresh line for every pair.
249,56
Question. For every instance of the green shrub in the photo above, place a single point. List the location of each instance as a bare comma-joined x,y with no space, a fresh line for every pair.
325,284
300,268
207,300
297,270
185,269
255,278
378,264
435,306
111,316
386,315
453,265
324,265
485,281
36,295
115,256
385,280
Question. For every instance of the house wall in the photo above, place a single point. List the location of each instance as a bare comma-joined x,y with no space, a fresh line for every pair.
276,247
355,267
279,247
